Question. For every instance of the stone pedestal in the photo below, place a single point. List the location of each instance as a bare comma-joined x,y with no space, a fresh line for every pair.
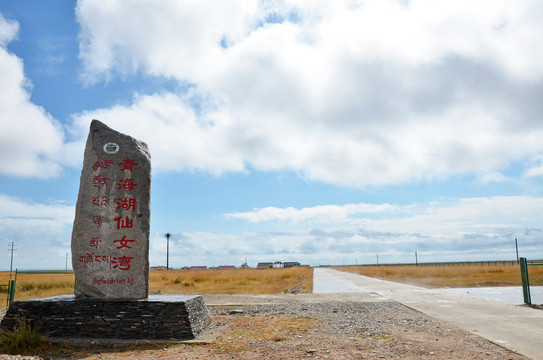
157,318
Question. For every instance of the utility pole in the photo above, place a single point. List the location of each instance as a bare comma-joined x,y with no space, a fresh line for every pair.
516,246
416,259
12,248
168,250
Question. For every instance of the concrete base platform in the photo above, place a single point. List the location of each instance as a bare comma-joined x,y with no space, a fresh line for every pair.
159,317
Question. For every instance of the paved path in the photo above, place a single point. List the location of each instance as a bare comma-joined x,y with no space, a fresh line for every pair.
517,328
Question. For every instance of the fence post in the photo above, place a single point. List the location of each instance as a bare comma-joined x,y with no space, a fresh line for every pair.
525,281
11,292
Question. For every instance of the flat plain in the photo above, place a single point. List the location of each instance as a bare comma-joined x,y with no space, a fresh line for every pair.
279,318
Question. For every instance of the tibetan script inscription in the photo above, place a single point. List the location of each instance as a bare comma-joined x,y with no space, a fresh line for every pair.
110,237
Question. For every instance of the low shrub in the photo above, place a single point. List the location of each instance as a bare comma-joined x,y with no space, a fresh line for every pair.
23,339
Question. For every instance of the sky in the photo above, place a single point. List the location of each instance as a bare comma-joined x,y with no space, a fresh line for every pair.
324,132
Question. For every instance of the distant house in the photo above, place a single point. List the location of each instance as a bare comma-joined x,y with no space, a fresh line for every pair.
161,267
264,265
227,266
198,267
291,264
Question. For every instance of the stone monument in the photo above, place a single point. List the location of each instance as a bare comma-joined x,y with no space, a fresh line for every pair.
110,256
110,239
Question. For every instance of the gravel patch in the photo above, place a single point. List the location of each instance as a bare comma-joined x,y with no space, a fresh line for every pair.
346,326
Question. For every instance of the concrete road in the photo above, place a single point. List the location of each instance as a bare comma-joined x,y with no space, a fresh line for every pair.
517,328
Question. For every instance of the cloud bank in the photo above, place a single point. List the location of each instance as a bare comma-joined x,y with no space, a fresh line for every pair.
30,139
447,230
348,93
41,231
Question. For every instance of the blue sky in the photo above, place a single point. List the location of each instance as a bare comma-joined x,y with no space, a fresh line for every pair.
315,131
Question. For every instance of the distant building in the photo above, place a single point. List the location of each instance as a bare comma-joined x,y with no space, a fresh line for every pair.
227,266
278,264
198,267
291,264
244,265
161,267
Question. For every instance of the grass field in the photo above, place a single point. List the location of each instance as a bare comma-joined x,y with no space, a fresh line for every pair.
274,281
231,281
40,284
493,274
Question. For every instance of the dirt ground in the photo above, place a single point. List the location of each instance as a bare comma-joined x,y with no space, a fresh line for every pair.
302,326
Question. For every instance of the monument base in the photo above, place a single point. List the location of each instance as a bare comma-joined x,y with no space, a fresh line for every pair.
159,317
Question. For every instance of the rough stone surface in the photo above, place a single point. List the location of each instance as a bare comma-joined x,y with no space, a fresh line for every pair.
110,239
121,319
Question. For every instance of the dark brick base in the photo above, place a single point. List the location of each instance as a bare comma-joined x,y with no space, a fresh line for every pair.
173,317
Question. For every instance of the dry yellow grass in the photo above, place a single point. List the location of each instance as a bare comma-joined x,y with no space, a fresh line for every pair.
228,281
38,284
495,274
231,281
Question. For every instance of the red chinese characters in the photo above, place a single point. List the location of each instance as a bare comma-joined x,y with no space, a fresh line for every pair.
123,243
124,223
108,175
126,184
122,262
126,203
127,164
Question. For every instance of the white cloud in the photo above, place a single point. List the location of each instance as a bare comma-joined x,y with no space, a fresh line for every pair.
29,223
30,139
20,209
8,30
186,38
356,94
321,214
498,211
178,139
197,28
493,177
446,230
459,225
536,168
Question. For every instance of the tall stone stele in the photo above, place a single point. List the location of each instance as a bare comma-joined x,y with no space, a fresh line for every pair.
110,239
